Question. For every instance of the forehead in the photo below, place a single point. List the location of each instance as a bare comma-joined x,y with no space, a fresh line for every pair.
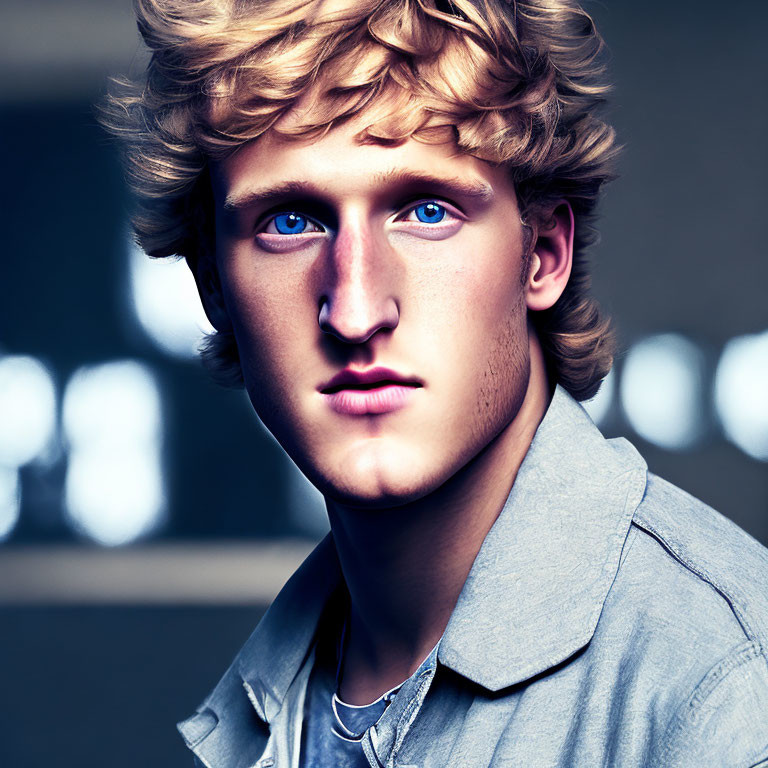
340,164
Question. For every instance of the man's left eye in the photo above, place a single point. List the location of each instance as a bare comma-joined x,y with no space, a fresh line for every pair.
427,213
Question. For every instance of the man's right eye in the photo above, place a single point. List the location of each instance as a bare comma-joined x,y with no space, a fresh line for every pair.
290,223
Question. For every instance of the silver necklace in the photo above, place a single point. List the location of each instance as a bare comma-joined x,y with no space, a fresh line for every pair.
337,727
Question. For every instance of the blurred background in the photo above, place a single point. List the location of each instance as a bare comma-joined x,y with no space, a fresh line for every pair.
147,518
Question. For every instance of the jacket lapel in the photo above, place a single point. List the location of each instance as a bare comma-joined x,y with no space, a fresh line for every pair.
536,589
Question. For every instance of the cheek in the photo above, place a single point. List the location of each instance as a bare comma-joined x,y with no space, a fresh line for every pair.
269,319
504,379
494,350
485,305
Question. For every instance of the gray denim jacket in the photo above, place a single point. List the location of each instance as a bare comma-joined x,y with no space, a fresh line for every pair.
609,619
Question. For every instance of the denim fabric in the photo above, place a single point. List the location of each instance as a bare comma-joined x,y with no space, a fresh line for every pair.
609,619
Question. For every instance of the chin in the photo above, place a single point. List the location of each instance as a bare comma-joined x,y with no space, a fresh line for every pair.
366,496
375,481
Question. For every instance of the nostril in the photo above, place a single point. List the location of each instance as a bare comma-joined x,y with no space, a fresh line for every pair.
323,317
356,327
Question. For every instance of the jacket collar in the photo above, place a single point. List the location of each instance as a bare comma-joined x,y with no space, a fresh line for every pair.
280,643
223,733
537,587
532,597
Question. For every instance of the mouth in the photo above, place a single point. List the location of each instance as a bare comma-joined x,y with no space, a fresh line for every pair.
372,392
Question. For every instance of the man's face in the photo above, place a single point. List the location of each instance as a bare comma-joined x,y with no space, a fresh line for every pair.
398,268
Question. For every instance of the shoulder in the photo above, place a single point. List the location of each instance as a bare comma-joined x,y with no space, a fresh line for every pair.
724,720
723,564
696,588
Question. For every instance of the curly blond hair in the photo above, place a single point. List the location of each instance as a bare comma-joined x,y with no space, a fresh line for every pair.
513,83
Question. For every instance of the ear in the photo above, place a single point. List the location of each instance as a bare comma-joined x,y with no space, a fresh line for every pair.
209,287
552,258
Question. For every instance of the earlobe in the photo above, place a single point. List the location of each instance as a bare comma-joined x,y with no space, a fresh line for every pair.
208,284
552,259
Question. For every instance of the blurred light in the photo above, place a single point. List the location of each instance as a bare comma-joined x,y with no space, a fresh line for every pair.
112,404
601,403
114,490
115,497
741,393
166,303
27,410
10,500
662,391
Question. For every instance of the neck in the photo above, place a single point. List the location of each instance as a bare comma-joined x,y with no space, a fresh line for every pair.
405,566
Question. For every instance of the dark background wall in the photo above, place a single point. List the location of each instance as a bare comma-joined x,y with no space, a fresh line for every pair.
100,683
683,246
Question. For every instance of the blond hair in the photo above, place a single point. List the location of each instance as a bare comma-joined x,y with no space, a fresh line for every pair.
513,83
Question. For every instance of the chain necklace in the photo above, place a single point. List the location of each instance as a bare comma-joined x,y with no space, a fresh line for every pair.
338,728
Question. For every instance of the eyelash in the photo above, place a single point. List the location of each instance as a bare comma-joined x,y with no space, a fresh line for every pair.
273,218
450,211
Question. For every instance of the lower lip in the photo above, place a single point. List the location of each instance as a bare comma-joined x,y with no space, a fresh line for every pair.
365,402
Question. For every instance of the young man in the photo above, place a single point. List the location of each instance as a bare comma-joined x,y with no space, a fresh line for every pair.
386,206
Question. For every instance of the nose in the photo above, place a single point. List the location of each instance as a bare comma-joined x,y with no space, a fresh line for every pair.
359,297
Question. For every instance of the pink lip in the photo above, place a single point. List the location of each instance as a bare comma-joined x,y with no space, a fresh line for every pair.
375,391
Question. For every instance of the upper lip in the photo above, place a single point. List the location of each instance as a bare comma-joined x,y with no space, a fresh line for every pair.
351,379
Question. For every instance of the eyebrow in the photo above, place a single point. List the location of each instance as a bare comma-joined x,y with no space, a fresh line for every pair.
472,188
266,195
453,186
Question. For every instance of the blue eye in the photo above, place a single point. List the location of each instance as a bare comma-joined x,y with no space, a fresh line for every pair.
290,223
429,213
